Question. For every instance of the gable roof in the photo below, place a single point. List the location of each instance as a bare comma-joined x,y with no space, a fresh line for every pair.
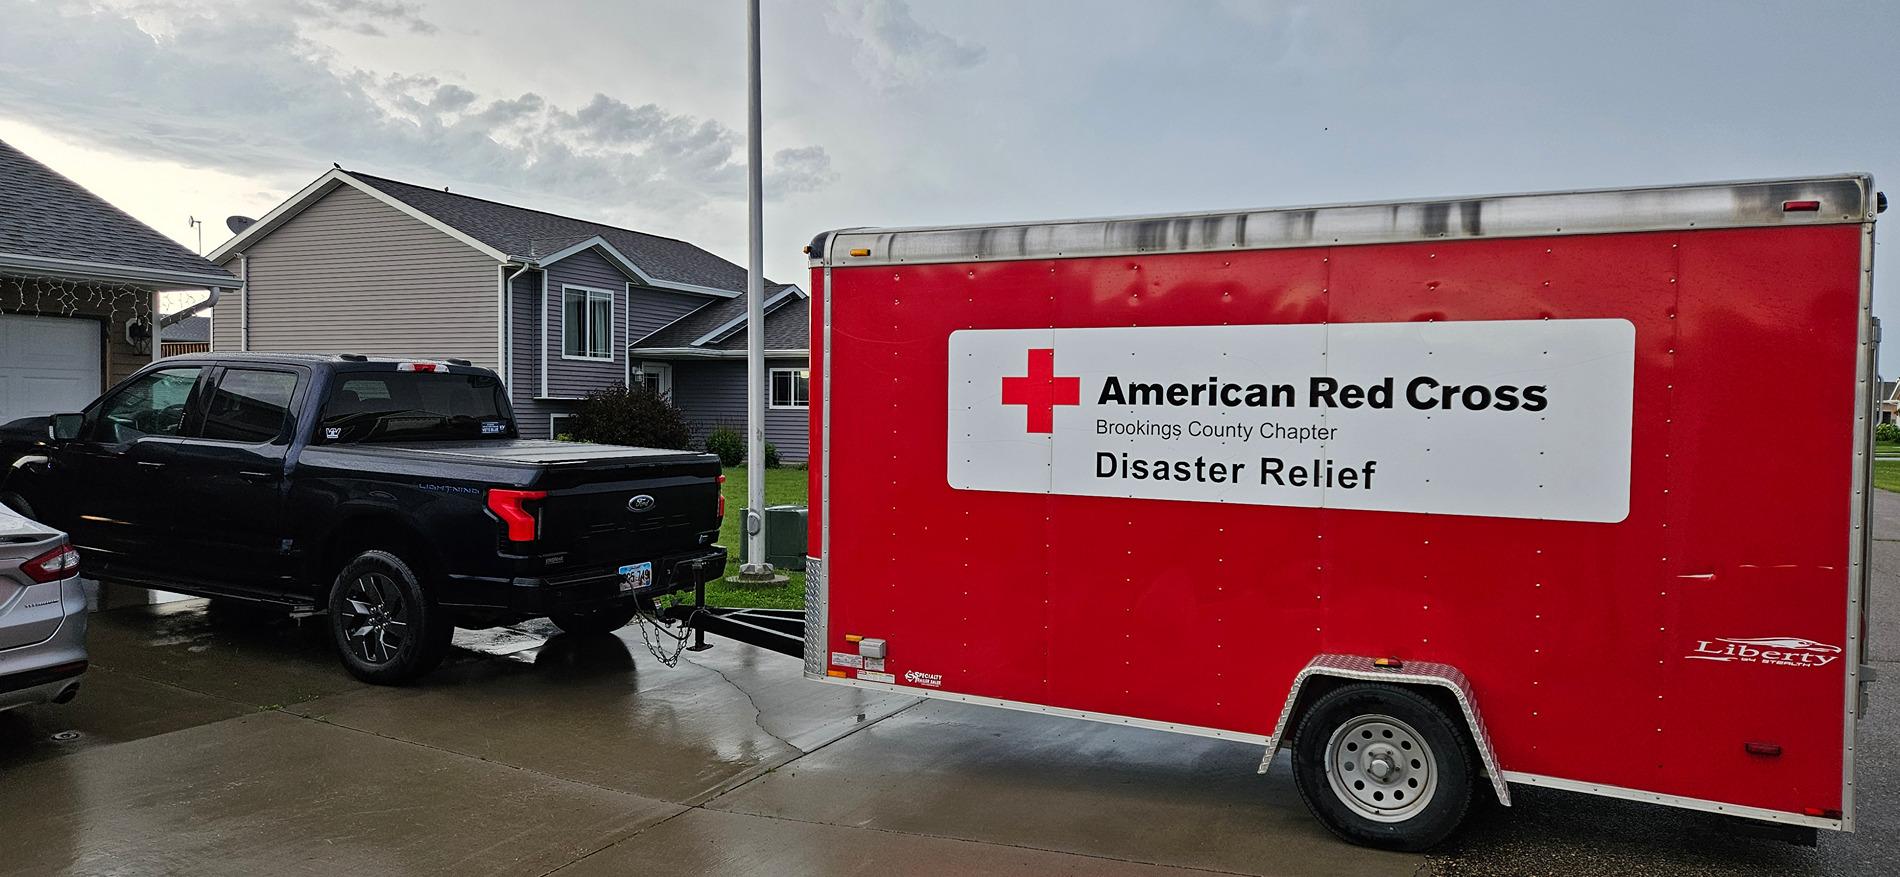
720,326
508,233
52,225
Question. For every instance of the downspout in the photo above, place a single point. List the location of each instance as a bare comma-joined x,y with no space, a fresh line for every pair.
505,337
543,322
244,302
159,323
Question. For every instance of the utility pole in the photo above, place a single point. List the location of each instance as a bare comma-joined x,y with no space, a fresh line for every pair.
755,569
198,224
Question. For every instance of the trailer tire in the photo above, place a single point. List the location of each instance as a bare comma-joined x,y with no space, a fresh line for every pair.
1383,766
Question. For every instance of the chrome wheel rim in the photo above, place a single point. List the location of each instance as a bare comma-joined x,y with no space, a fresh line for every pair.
1381,767
375,618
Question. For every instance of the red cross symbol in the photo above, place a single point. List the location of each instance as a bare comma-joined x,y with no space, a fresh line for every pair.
1041,391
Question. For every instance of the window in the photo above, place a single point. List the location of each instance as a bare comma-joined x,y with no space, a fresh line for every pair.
375,406
152,405
791,388
561,427
249,406
587,324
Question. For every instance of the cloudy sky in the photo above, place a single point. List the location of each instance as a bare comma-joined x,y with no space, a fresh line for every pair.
883,112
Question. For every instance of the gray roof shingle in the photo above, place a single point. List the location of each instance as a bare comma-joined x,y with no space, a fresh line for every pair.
687,329
44,215
521,232
188,329
786,328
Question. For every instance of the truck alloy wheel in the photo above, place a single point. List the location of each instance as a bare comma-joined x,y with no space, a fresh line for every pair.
387,630
1383,766
374,617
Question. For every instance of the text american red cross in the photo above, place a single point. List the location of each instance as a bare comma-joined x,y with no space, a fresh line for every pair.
1041,390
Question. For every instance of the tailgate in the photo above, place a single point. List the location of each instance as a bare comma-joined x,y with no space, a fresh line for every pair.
616,512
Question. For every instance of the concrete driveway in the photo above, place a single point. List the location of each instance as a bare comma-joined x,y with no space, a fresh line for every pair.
211,743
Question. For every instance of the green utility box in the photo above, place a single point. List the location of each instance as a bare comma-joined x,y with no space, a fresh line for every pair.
784,536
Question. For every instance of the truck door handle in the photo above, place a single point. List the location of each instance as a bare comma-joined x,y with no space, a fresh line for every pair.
252,475
151,465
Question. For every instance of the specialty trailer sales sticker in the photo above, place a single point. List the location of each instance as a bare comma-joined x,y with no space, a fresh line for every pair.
1508,418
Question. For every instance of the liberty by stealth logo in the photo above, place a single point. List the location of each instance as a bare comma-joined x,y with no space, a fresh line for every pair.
1780,651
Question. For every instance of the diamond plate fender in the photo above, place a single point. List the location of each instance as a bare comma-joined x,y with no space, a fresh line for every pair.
814,618
1361,669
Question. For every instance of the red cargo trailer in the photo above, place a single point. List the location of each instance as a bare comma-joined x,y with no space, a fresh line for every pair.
1563,489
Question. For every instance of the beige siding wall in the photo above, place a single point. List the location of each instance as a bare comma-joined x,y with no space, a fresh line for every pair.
351,274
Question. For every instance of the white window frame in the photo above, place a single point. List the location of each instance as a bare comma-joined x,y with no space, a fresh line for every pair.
554,423
591,295
771,380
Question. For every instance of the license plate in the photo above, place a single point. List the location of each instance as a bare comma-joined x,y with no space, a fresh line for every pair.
636,577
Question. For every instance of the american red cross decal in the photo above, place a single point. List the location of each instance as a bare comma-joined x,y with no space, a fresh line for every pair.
1041,391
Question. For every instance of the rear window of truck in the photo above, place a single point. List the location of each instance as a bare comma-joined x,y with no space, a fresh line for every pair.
414,406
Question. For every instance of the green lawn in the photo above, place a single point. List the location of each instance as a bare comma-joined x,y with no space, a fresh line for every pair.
1887,475
782,487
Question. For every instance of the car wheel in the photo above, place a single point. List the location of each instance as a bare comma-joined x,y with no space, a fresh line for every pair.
17,503
387,628
1383,766
605,619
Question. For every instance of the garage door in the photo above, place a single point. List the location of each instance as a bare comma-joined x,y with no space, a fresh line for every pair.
48,365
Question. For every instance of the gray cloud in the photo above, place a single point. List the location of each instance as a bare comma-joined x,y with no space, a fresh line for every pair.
894,48
246,90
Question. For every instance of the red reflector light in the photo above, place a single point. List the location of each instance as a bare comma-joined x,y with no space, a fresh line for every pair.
1768,749
508,505
722,498
59,563
415,366
1823,812
1800,206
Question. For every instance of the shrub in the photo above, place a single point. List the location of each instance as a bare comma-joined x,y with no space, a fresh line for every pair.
728,444
638,415
1887,432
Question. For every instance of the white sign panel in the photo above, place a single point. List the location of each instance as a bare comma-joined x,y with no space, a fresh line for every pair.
1509,418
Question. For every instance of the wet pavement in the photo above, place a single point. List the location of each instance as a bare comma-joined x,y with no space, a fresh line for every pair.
208,741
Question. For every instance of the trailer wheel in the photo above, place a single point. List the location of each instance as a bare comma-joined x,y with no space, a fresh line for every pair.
1383,766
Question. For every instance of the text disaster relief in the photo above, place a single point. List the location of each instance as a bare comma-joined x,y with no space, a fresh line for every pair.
1517,418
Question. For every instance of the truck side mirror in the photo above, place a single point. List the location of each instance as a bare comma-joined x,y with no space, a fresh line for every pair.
64,427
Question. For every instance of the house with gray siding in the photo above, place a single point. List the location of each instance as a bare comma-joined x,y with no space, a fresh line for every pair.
559,307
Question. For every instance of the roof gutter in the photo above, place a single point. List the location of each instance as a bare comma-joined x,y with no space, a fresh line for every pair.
157,278
702,353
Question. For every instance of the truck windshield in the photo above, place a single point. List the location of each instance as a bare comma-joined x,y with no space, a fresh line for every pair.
414,406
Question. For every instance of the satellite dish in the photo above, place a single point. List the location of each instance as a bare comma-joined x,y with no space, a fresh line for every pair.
237,224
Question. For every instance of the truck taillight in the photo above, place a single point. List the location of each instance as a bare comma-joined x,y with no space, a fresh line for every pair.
416,366
59,563
511,507
722,497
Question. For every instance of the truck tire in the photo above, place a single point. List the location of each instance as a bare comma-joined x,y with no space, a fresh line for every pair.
17,503
388,630
605,619
1383,766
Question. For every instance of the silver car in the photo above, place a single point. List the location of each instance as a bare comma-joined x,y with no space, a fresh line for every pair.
42,614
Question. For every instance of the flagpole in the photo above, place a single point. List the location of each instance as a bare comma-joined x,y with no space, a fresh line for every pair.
755,567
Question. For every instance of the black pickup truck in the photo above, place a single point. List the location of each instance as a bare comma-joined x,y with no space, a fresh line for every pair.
396,494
